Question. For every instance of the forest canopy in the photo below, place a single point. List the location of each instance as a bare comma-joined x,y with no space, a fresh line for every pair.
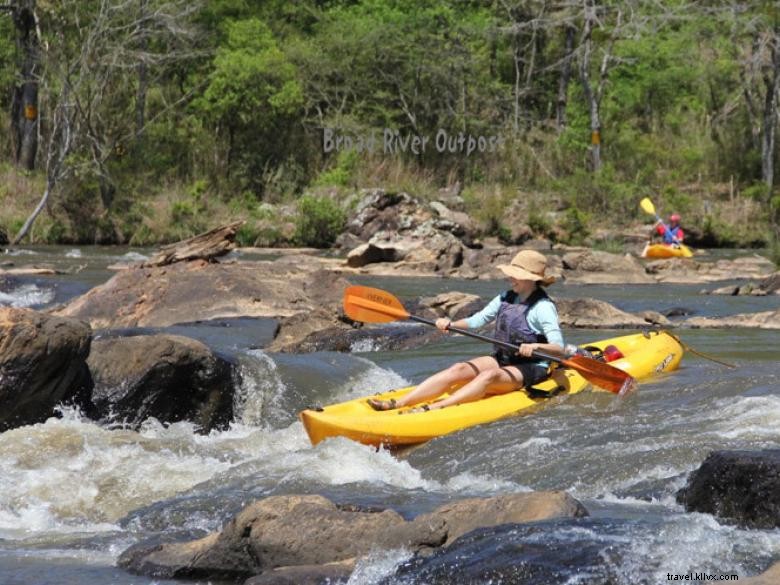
144,121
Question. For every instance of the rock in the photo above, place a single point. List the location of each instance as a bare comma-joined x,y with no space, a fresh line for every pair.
29,271
453,305
327,574
371,253
3,237
538,244
687,270
283,531
655,318
199,290
739,486
309,532
762,320
596,267
167,377
518,554
769,577
42,364
724,290
383,338
769,286
466,515
594,314
462,223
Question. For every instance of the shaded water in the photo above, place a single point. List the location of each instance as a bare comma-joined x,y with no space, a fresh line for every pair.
74,495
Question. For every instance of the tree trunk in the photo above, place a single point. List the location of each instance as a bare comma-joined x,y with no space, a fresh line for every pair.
24,103
563,82
206,246
143,81
772,83
590,96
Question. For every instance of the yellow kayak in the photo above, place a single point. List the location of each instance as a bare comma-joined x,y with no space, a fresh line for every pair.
645,354
666,251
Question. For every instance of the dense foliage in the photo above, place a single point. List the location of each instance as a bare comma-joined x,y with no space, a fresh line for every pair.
183,115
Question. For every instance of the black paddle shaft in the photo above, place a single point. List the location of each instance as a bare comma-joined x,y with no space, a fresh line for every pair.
505,345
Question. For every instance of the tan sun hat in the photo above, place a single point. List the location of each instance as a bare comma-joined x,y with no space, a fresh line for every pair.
527,265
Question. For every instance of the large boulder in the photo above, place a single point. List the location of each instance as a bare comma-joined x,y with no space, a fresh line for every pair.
167,377
738,486
191,291
42,363
311,531
521,554
282,531
762,320
597,267
594,314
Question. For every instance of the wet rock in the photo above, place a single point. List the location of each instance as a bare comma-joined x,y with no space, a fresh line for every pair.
327,574
188,291
283,531
168,377
42,364
678,312
382,338
768,286
739,486
655,318
516,554
594,314
466,515
762,320
310,531
769,577
596,267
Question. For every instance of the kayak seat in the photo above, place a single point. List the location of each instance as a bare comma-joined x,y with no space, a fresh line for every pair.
542,393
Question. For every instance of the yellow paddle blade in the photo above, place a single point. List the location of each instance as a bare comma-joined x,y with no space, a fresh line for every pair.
647,206
372,305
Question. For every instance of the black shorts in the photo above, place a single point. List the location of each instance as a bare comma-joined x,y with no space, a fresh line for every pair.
532,372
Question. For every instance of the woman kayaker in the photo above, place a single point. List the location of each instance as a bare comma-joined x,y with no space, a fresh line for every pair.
524,316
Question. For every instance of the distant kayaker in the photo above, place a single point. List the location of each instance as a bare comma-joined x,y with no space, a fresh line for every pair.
672,234
524,316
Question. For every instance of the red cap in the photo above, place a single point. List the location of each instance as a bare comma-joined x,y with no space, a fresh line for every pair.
674,217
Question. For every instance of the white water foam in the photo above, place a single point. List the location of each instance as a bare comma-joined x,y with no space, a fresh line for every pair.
133,257
693,543
27,295
74,253
377,566
70,475
260,391
747,418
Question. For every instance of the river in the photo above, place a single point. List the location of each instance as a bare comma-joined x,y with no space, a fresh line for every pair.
74,495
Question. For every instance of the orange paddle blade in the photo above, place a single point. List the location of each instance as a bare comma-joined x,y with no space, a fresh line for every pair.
602,374
372,305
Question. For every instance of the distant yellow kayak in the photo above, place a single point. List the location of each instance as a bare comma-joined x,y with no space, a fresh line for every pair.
666,251
645,354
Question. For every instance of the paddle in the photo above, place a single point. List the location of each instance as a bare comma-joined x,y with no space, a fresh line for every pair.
373,305
648,207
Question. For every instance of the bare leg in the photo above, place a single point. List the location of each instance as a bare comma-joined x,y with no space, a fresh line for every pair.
500,380
440,382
